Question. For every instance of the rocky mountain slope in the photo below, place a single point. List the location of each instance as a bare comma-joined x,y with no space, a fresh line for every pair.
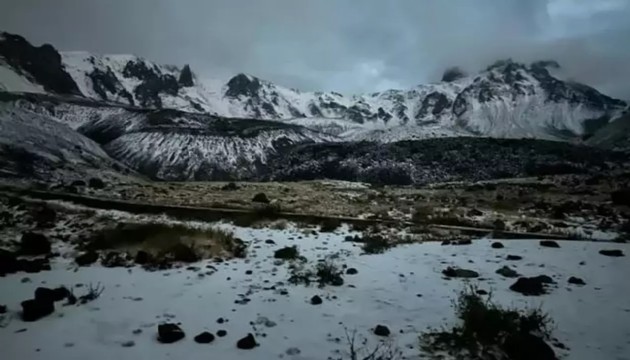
507,99
615,135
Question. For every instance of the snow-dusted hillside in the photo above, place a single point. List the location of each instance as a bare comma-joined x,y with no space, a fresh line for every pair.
507,99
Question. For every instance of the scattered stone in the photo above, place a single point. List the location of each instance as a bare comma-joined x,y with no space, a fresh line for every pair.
532,286
381,330
293,351
137,331
270,242
220,320
497,245
352,271
289,252
204,338
247,343
95,183
612,253
316,300
460,273
576,281
34,244
170,333
35,309
87,258
549,243
514,257
248,272
507,272
129,343
261,198
221,333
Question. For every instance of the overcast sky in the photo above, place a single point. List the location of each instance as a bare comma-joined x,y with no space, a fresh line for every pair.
343,45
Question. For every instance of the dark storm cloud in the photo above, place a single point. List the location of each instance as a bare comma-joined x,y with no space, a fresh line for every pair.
343,45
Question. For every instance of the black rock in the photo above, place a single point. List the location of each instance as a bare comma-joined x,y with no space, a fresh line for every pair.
316,300
46,294
381,330
523,346
507,272
497,245
533,286
229,187
87,258
221,333
247,343
143,257
576,281
621,197
9,263
34,265
352,271
35,309
612,253
459,273
95,183
3,309
549,243
270,242
186,77
170,333
514,257
204,338
289,252
261,198
220,320
34,244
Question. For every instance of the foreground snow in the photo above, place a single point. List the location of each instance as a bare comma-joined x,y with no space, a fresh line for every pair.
402,288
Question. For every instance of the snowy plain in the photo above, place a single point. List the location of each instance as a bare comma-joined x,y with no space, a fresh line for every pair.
402,288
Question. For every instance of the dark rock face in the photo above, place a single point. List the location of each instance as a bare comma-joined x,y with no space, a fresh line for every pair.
106,82
532,286
576,281
153,83
549,243
435,104
34,244
204,338
452,74
186,77
170,333
316,300
87,258
528,347
247,343
42,63
612,253
243,85
460,273
287,253
34,309
381,330
507,272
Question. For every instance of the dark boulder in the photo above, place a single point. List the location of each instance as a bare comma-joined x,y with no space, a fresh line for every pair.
221,333
261,198
523,346
287,253
3,309
352,271
9,263
621,197
86,258
514,257
532,286
460,273
170,333
612,253
507,272
576,281
34,265
316,300
35,309
549,243
497,245
46,294
143,257
247,343
204,338
381,330
34,244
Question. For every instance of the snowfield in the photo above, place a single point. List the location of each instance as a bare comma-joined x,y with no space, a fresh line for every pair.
402,289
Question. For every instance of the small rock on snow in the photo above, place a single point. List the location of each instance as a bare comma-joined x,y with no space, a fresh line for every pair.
204,338
170,333
381,330
247,343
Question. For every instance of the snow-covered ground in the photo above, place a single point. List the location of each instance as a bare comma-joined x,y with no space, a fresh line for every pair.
402,288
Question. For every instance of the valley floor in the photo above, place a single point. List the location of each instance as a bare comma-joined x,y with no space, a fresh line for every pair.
402,289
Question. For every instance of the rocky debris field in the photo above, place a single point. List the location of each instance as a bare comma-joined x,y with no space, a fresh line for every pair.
293,293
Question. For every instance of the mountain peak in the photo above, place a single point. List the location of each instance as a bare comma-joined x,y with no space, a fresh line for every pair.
243,85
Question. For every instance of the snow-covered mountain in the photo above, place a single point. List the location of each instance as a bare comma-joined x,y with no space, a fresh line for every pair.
507,99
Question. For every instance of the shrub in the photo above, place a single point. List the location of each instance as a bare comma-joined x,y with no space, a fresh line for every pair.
330,225
375,244
287,253
324,273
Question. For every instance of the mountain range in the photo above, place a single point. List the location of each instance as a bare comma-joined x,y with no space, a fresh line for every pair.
167,123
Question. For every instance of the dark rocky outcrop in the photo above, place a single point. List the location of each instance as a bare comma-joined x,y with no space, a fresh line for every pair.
186,77
86,258
33,243
452,74
43,64
33,309
261,198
